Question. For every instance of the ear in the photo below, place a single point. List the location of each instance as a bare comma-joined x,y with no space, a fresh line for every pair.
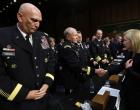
19,17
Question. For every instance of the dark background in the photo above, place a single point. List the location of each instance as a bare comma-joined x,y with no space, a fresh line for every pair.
112,16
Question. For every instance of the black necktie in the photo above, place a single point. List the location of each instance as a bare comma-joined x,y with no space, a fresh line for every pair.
27,40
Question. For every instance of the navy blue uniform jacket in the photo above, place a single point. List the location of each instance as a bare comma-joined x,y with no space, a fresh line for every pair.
22,68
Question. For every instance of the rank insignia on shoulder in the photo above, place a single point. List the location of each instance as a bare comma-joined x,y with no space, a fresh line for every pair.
67,46
98,58
46,60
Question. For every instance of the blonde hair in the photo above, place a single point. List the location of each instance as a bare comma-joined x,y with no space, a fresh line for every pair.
134,36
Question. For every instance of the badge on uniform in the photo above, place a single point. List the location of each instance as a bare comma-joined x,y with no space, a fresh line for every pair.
8,51
44,42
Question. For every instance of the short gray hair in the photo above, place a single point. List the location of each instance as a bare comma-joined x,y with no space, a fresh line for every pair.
69,30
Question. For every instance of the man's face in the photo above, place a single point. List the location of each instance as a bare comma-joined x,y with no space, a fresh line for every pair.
30,22
79,36
52,42
99,34
73,37
119,39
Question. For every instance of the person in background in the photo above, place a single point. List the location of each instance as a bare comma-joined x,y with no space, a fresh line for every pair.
55,63
25,72
93,38
116,46
72,69
97,49
107,52
87,41
69,59
52,44
84,50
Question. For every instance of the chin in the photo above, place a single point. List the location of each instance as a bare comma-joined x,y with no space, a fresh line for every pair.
32,31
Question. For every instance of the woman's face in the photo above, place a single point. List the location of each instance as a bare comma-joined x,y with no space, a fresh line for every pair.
127,43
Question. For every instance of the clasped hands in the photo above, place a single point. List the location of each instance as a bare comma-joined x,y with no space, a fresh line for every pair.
37,94
100,72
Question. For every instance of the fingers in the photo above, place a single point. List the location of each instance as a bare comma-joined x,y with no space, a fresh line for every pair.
128,63
42,92
44,87
100,72
35,94
40,95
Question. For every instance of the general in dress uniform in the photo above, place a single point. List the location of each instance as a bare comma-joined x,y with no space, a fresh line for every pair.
25,68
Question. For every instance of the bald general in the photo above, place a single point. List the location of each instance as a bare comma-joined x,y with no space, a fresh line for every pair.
29,18
28,7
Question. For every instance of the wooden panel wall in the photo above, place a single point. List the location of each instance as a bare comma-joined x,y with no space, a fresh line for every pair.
95,14
86,16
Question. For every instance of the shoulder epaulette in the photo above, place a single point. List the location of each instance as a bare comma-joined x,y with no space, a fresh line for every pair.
67,46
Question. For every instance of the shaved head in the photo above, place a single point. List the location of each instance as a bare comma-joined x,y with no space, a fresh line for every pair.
28,7
29,18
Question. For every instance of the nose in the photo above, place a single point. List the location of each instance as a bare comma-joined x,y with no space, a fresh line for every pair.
37,24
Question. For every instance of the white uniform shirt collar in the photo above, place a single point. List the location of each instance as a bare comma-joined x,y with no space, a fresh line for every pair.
24,35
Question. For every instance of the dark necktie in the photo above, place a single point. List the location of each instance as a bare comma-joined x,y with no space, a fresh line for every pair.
27,40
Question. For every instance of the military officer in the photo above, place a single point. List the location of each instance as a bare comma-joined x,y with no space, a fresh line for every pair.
97,49
72,68
25,69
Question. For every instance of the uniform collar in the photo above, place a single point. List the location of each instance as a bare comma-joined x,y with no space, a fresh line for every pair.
24,35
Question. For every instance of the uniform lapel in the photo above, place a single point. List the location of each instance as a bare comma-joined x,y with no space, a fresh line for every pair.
20,41
36,43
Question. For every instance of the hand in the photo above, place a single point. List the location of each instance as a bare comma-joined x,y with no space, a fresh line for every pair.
128,63
42,91
100,72
35,94
44,88
104,61
95,63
